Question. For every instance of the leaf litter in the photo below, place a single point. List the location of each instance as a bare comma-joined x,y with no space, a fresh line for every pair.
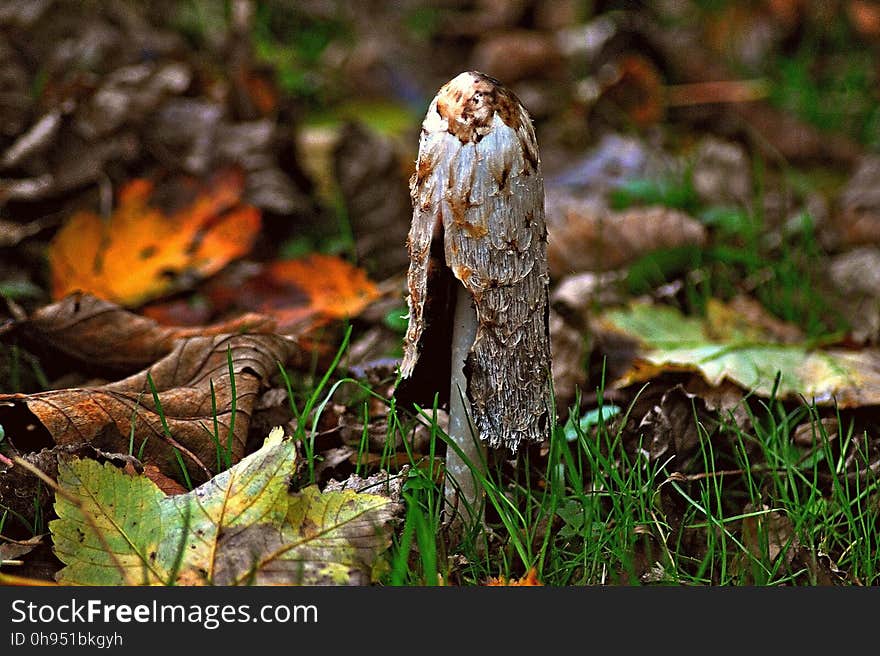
219,259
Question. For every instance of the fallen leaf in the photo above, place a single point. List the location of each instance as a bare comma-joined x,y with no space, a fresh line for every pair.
301,294
168,485
585,235
382,482
241,527
865,17
721,173
194,385
139,253
335,288
13,550
856,220
530,579
373,183
108,338
667,341
671,429
768,534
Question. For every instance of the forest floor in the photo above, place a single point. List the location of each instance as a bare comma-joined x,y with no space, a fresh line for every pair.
204,210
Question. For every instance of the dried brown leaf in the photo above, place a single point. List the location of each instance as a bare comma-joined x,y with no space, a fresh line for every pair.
15,549
671,429
585,235
568,353
857,219
855,278
769,534
518,54
373,183
108,338
122,416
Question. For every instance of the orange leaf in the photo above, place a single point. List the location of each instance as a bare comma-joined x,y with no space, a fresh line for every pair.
530,579
136,254
865,17
300,294
335,288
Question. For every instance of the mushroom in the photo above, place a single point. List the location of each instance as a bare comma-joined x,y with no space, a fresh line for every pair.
478,335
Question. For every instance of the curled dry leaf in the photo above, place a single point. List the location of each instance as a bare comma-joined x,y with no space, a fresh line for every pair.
192,381
139,253
671,429
381,483
585,235
13,550
108,338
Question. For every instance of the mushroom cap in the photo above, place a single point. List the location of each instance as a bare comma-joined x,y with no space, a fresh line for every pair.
478,212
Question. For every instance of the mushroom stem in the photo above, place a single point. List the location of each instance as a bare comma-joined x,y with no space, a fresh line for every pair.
463,491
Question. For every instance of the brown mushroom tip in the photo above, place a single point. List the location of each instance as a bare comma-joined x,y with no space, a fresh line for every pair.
469,102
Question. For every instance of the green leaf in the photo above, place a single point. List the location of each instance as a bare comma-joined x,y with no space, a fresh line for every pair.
589,420
327,538
241,527
118,542
723,348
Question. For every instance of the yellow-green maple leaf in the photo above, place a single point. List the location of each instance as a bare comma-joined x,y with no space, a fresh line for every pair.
241,527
